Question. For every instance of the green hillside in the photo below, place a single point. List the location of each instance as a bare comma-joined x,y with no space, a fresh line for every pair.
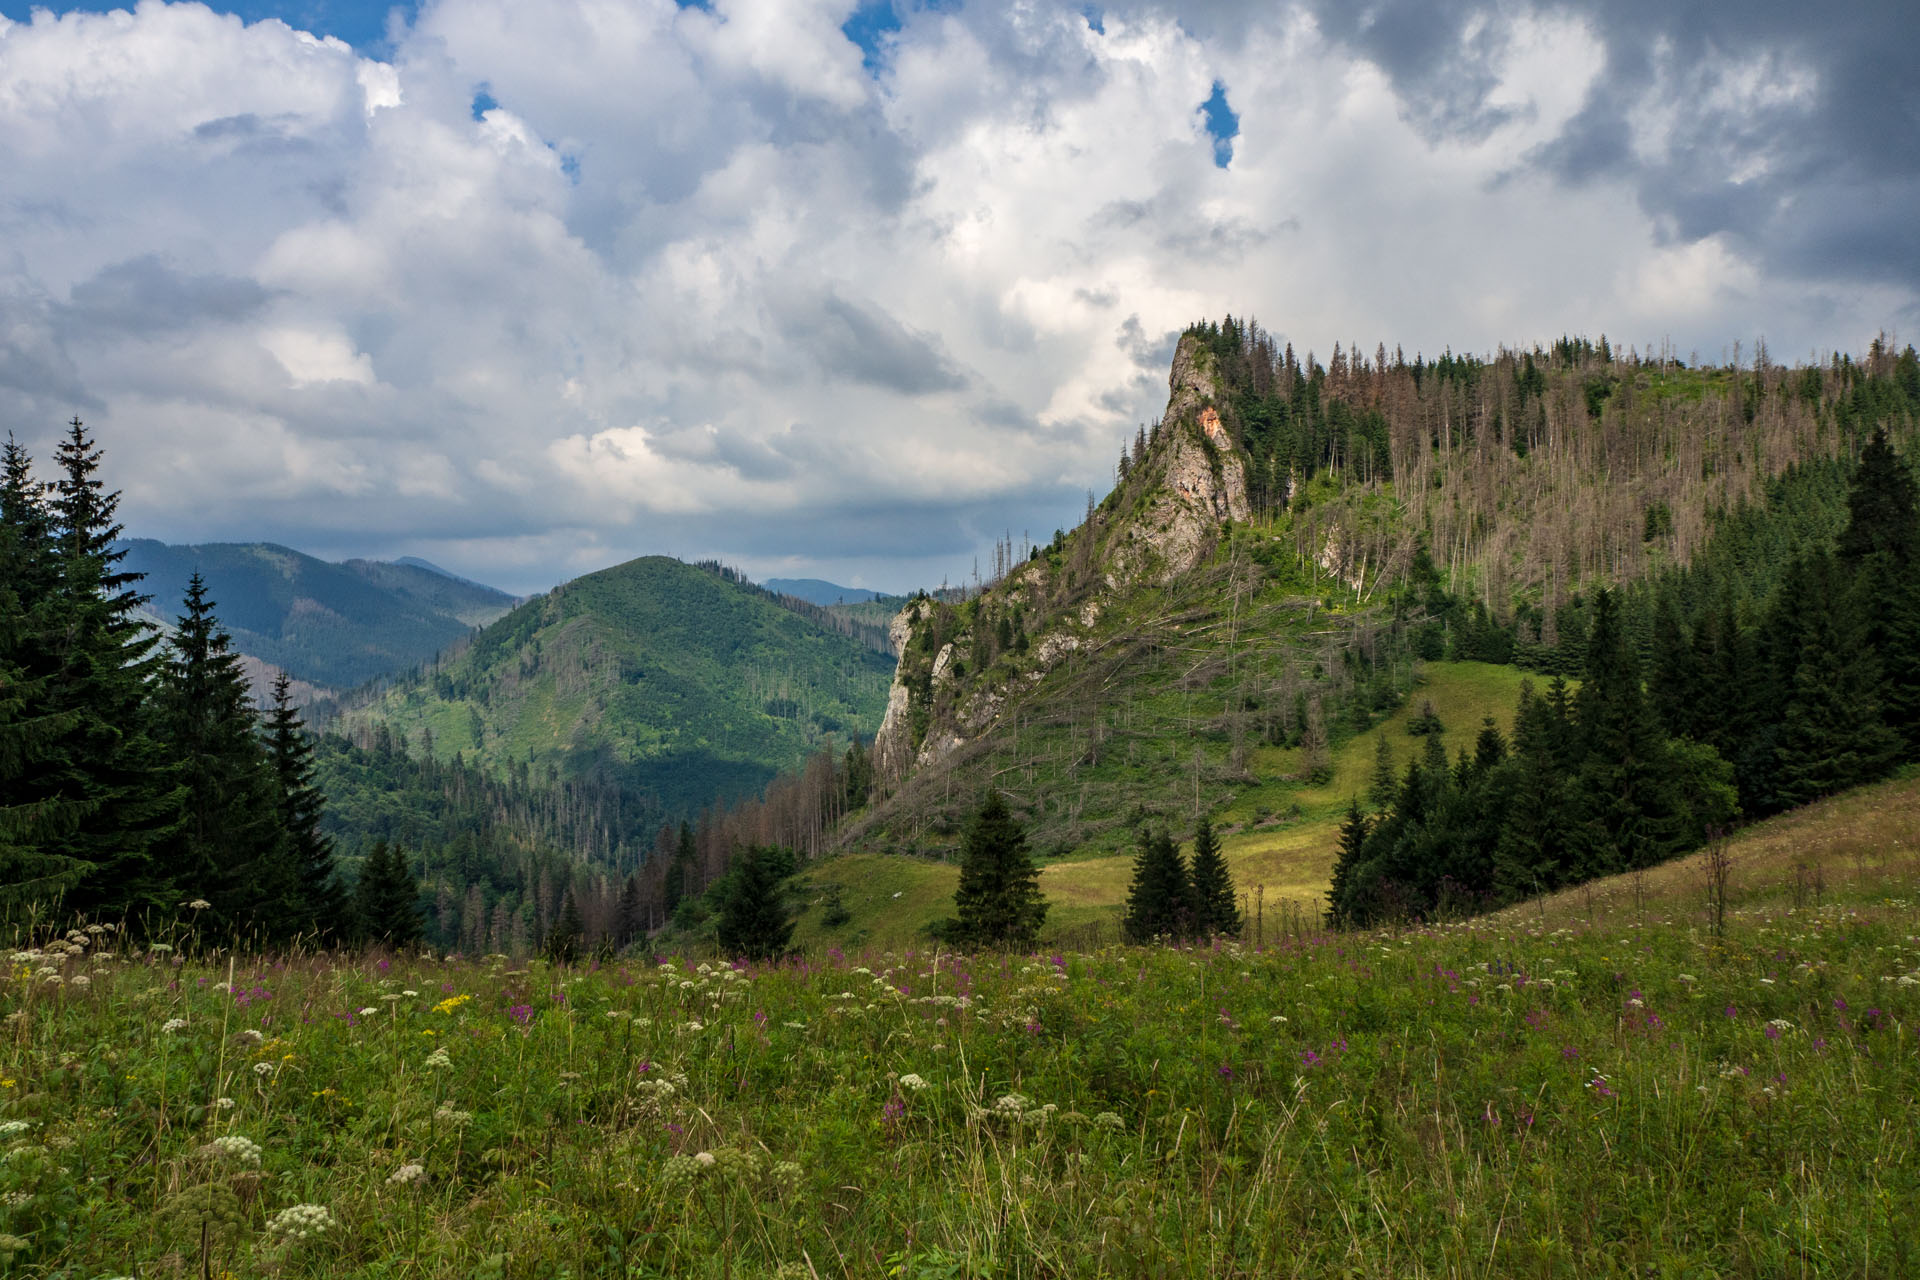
678,680
331,625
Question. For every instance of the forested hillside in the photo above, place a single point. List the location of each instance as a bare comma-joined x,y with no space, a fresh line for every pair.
1712,555
682,684
333,626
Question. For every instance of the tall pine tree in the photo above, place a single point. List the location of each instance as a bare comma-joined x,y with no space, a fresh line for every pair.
755,922
229,848
1620,790
320,909
1160,901
388,898
998,902
38,809
110,759
1216,910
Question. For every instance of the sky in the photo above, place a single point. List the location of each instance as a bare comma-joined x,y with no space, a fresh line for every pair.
850,290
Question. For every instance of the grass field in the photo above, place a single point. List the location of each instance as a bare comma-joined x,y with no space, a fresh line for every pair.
1279,860
1608,1090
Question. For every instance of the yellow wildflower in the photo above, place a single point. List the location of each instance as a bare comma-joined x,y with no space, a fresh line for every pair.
451,1003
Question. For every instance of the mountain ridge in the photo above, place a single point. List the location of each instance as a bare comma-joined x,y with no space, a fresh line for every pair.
330,626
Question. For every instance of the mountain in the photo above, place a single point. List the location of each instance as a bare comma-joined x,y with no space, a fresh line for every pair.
1290,543
815,591
683,683
332,626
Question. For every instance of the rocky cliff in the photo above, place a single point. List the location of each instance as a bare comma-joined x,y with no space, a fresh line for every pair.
961,666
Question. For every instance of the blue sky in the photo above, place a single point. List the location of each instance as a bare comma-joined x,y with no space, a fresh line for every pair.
849,290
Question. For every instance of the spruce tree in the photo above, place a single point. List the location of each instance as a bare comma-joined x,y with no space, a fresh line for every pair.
110,760
1346,897
1620,789
1882,514
1385,780
1216,910
1160,901
38,807
569,933
1530,853
755,922
630,919
998,902
320,908
388,898
1832,734
230,848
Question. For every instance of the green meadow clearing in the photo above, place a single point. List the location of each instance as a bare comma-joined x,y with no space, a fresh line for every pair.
1595,1086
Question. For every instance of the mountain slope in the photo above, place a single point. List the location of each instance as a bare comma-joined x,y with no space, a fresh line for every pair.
330,625
684,682
1291,542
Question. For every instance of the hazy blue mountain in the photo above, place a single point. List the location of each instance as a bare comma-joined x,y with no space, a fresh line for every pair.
329,625
815,591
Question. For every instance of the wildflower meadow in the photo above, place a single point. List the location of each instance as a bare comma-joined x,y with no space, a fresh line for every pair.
1627,1096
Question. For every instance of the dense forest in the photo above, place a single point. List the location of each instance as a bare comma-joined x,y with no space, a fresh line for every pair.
1748,702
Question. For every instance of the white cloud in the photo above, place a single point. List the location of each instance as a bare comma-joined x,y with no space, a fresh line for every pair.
698,282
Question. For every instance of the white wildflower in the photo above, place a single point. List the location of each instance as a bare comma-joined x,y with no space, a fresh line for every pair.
705,1159
912,1082
439,1058
12,1128
235,1148
368,1012
172,1025
223,1104
263,1068
302,1221
198,904
408,1174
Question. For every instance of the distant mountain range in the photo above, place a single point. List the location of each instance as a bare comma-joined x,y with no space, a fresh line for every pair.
685,683
815,591
330,626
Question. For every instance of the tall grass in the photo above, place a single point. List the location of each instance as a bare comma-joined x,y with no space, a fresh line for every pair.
1627,1096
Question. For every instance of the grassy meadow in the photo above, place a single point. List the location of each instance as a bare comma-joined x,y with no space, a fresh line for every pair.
1279,832
1596,1086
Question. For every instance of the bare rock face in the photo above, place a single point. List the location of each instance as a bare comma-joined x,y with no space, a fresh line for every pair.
1201,480
893,743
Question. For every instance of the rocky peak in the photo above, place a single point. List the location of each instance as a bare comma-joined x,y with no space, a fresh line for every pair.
1192,482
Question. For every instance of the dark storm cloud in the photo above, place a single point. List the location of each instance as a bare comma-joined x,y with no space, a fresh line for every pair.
1819,185
1794,129
864,343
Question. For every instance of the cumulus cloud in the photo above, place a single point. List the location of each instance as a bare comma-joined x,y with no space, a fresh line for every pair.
541,287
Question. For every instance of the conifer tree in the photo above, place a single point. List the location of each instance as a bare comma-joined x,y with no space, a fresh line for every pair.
1832,733
630,920
1160,899
565,939
1385,780
38,807
680,871
1530,852
1216,910
110,759
1346,896
755,922
229,848
1620,789
388,897
320,908
1881,507
998,901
